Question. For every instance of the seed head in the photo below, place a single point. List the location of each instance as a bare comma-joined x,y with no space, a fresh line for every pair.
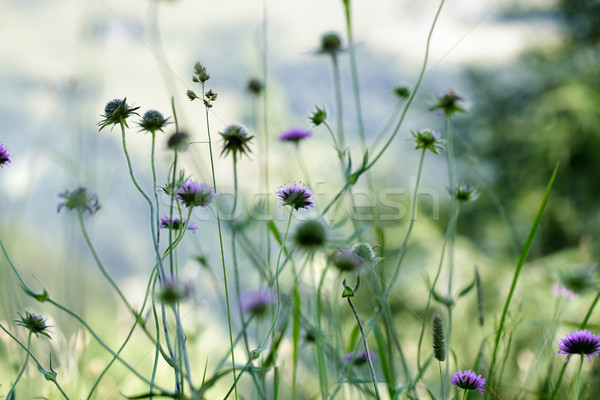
439,339
235,140
448,104
178,141
427,139
200,74
116,112
153,121
310,235
331,44
318,116
255,86
35,323
464,193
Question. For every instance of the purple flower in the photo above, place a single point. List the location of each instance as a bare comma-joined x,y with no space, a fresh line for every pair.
297,195
558,290
4,157
579,342
295,135
175,223
79,199
256,302
468,380
359,358
195,194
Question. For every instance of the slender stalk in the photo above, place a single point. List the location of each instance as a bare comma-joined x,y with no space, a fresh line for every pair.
320,356
364,338
576,393
337,83
39,365
519,267
12,387
214,179
276,277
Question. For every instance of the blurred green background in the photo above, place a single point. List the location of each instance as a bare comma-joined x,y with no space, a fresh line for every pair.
528,73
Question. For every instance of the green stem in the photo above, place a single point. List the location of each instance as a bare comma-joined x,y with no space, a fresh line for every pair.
414,91
12,387
576,394
320,356
338,101
277,271
364,338
214,179
519,267
30,354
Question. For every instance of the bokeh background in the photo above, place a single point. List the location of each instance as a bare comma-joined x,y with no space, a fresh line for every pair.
528,72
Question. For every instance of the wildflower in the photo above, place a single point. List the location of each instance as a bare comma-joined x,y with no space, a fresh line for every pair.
295,135
468,380
331,44
401,92
439,338
427,139
4,156
366,254
178,141
235,140
579,280
255,86
257,303
79,199
580,342
347,260
195,194
153,121
166,222
558,290
200,74
310,235
174,292
464,193
448,104
318,116
34,323
296,195
116,112
359,358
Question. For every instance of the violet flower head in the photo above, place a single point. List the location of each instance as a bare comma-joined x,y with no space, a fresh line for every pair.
295,135
175,223
296,195
579,342
195,194
4,157
257,303
468,380
78,199
559,290
359,358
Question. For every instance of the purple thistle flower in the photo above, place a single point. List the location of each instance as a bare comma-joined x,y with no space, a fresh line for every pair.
195,194
256,303
297,195
295,135
79,199
579,342
359,358
4,157
468,380
175,223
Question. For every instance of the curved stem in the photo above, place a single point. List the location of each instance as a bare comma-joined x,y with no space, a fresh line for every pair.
364,338
12,387
576,394
214,179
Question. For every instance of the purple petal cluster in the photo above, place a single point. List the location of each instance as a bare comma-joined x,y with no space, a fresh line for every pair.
360,357
256,302
468,380
295,135
579,342
166,222
195,194
4,157
296,195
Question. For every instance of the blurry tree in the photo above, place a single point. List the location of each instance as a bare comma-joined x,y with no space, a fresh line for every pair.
542,109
